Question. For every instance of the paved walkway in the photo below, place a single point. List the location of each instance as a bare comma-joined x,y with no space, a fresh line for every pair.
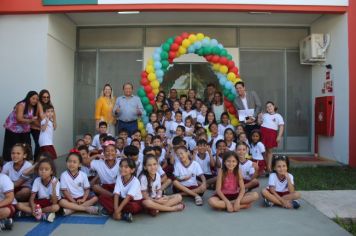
194,220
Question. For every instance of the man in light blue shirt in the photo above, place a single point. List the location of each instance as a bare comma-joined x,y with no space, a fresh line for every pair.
127,109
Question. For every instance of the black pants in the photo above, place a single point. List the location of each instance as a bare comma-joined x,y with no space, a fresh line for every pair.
11,139
36,136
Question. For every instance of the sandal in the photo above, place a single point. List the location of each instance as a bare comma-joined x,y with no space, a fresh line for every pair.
198,200
180,207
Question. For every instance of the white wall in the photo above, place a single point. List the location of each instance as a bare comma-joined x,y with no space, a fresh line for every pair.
61,40
37,51
336,147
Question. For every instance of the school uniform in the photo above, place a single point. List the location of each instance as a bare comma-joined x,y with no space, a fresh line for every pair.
193,170
204,164
96,141
123,189
174,126
149,128
44,191
15,175
7,186
191,113
280,185
222,128
257,151
247,171
46,139
107,175
269,129
75,184
91,173
155,185
213,141
200,119
232,146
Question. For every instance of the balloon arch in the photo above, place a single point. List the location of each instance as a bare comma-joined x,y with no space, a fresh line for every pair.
214,52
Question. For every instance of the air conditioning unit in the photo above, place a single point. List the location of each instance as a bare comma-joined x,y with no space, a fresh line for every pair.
313,48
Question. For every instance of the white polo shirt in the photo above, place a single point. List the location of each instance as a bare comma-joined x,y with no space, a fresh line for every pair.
75,185
191,113
106,174
155,185
45,191
247,169
204,163
215,140
46,136
278,184
257,151
6,186
272,121
232,146
222,128
15,175
131,188
193,170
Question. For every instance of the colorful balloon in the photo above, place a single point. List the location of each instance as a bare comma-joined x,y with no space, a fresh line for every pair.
151,76
149,69
223,69
200,36
145,100
151,95
141,92
174,47
192,38
148,89
144,81
186,43
154,84
148,108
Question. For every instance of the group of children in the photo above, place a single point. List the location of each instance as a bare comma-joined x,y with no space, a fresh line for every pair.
127,175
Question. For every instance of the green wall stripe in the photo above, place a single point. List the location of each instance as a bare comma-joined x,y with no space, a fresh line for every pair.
69,2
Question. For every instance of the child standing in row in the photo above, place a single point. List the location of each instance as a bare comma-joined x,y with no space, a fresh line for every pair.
47,128
258,150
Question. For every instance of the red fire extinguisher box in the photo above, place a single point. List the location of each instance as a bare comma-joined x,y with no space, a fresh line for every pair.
324,116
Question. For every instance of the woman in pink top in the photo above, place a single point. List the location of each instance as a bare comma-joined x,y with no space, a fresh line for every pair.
18,123
230,189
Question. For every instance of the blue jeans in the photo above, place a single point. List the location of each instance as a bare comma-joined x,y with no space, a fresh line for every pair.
130,126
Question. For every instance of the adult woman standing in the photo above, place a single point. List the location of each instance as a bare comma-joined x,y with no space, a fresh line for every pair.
104,107
160,100
217,106
18,123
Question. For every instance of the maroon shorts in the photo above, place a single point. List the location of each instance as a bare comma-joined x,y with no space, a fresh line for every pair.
12,209
109,187
77,198
269,137
230,197
248,181
261,165
43,202
133,206
49,149
281,194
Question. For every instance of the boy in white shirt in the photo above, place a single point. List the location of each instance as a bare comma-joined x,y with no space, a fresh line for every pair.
46,136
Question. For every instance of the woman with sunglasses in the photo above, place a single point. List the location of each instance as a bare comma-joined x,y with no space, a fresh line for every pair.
160,101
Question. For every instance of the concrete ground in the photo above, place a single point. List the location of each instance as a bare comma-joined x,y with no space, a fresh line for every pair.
193,220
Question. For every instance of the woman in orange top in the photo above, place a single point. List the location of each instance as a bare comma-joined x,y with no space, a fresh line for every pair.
103,109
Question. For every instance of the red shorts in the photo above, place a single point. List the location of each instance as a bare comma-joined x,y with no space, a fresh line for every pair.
281,194
133,206
269,137
12,209
109,187
261,165
230,197
49,149
43,202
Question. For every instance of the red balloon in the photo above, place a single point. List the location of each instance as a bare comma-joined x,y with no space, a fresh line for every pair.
185,35
230,64
232,110
145,82
228,104
174,47
223,60
144,74
208,57
178,40
172,54
151,96
234,70
170,60
215,58
148,89
152,102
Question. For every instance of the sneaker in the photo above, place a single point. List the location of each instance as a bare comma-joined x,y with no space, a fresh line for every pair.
48,217
103,212
93,210
267,203
295,204
6,224
127,217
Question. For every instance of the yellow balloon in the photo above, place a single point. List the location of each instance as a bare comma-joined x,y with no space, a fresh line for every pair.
182,50
155,91
200,36
150,61
149,69
143,133
192,38
155,84
186,43
231,76
224,69
140,125
216,66
151,77
234,122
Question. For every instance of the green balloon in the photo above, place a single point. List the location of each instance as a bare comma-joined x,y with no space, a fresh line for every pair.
141,92
145,101
165,64
207,50
226,92
170,40
164,55
166,46
149,108
200,51
231,97
215,50
223,53
229,57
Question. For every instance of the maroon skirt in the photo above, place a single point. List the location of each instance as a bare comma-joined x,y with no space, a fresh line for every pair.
269,137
